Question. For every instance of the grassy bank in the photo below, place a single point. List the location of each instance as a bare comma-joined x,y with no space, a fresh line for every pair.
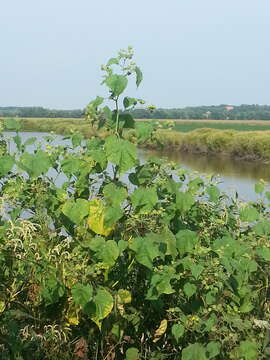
253,145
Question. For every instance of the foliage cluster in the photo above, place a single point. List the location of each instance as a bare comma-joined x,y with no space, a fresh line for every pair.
216,112
126,260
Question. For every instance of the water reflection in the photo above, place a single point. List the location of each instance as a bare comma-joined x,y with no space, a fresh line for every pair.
235,175
218,165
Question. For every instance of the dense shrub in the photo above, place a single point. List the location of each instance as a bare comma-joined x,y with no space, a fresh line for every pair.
126,260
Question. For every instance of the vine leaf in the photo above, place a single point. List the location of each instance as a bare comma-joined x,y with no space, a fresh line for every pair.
178,331
35,164
96,219
103,305
76,211
116,83
81,294
105,251
146,250
144,199
194,351
121,153
6,164
132,354
139,76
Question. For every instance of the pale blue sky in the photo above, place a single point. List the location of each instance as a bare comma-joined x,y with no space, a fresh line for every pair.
192,52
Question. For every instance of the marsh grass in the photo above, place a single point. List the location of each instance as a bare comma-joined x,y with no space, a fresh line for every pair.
246,144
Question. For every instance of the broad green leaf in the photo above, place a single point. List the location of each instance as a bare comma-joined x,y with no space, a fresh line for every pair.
116,83
190,289
210,297
100,159
30,141
184,201
127,102
213,349
132,354
98,101
185,241
73,165
196,270
114,195
121,153
178,331
213,192
113,61
52,291
106,251
194,352
35,164
169,239
6,164
103,302
249,214
126,121
144,131
112,215
146,250
96,219
262,228
144,199
94,144
248,350
77,210
76,140
161,283
139,76
82,294
18,141
259,188
264,253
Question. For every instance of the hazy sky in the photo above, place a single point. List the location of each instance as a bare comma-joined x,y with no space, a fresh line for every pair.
192,52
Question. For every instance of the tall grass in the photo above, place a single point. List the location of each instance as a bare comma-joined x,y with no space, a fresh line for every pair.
253,145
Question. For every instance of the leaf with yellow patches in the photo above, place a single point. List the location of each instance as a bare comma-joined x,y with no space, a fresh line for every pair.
125,296
96,218
103,302
160,331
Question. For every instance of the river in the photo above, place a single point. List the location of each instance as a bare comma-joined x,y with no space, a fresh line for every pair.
234,175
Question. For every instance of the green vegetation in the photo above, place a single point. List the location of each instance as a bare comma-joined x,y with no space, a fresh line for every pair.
253,145
186,126
219,112
162,266
38,112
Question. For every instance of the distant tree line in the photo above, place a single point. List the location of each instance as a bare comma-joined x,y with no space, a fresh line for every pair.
219,112
35,112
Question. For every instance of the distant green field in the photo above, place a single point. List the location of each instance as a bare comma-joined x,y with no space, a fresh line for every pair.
239,126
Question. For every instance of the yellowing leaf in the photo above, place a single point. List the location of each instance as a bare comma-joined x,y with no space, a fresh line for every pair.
125,296
161,330
72,317
73,321
2,306
103,306
96,218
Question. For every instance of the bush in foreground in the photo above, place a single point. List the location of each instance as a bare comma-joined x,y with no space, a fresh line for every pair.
126,260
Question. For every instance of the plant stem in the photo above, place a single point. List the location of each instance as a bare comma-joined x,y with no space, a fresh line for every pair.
117,116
